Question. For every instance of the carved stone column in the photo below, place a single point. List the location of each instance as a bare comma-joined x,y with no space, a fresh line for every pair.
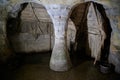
60,60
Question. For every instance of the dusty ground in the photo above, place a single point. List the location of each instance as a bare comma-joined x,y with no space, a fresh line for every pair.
36,67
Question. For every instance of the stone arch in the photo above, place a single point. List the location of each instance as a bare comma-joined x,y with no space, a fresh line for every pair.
18,3
82,36
36,34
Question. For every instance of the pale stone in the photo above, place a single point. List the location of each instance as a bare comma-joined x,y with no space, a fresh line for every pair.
96,35
60,60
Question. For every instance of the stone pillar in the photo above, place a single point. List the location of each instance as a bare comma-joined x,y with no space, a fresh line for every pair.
60,60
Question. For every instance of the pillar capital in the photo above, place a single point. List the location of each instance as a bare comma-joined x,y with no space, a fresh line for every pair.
58,12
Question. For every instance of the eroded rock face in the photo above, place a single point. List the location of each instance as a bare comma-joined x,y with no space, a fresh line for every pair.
113,13
5,51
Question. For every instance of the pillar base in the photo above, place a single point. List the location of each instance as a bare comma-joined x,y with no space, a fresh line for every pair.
60,60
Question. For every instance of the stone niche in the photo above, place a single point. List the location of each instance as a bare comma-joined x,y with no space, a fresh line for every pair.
35,30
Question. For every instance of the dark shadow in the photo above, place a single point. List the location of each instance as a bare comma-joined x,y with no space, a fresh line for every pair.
8,69
81,49
13,25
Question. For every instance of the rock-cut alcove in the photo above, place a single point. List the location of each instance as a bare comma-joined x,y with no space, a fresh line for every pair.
31,30
93,31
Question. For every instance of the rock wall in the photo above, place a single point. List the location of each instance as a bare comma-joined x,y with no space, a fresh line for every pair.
5,51
113,13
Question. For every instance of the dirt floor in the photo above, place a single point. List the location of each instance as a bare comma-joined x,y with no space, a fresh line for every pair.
36,67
